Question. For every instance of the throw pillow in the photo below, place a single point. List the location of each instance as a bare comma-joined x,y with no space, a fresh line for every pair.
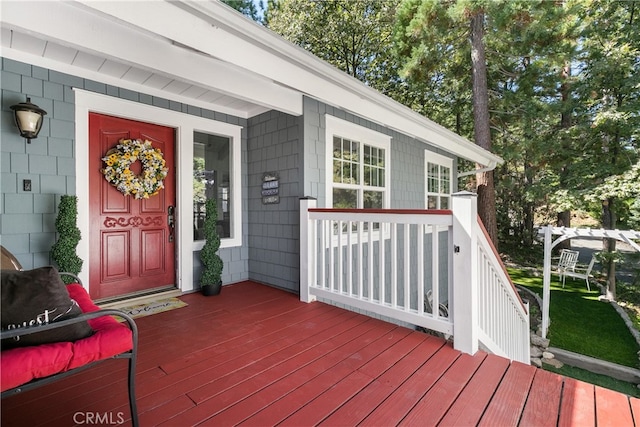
35,297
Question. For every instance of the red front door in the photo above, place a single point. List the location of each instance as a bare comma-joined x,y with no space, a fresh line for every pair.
131,244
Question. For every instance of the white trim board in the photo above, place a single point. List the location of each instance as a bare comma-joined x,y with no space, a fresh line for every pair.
185,125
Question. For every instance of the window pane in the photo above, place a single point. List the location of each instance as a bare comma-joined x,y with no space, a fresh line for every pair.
355,151
337,147
346,169
432,185
445,184
337,156
372,199
337,170
345,199
444,202
211,172
432,202
355,173
374,166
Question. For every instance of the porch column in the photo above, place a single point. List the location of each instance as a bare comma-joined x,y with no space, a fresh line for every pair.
307,252
465,272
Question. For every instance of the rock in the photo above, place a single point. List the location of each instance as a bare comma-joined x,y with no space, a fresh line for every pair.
537,362
548,355
535,352
539,341
553,362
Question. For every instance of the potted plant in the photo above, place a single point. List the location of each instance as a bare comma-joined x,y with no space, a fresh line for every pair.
211,278
63,250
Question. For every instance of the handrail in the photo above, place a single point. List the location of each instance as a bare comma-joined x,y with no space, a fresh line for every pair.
412,254
499,260
375,260
504,323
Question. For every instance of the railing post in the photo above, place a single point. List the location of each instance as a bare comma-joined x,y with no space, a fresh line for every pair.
307,252
465,272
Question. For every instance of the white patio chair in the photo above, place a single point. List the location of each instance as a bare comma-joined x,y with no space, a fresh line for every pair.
581,273
566,263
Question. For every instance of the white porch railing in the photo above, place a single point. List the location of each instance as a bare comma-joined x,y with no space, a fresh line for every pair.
503,318
401,263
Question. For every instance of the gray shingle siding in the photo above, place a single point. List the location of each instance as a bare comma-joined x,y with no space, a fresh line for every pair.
274,145
407,158
407,170
294,147
27,221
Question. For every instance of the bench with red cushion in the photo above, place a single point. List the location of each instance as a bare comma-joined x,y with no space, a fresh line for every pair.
25,368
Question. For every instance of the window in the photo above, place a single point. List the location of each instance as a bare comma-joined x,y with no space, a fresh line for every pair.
211,178
438,180
359,160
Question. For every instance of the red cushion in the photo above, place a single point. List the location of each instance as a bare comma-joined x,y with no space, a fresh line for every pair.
110,338
21,365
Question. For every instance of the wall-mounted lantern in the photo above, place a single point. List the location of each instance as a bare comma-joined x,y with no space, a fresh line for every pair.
28,118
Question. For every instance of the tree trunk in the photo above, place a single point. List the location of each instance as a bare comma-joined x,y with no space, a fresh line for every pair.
609,223
528,232
564,218
482,131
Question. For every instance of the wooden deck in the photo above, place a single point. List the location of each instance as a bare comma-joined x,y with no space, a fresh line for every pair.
257,356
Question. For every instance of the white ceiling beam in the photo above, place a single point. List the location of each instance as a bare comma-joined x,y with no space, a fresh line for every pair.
93,33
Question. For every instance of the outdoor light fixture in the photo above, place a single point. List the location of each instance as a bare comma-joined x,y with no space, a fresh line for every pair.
28,118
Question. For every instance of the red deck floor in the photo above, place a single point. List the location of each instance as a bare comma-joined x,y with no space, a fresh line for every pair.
257,356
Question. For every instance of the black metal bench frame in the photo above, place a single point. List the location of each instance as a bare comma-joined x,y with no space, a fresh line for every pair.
131,355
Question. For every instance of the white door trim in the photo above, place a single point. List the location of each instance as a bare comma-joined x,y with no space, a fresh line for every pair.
185,124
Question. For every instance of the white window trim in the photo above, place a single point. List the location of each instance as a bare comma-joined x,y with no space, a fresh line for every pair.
435,158
185,125
338,127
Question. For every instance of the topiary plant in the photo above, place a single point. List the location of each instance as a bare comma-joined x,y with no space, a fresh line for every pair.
63,251
212,265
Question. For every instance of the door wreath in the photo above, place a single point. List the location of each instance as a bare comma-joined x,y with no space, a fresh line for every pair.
118,173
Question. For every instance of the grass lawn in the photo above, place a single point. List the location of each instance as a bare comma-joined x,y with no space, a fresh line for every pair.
582,324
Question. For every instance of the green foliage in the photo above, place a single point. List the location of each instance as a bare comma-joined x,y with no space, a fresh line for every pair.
199,186
606,257
212,264
563,80
248,8
354,36
63,251
624,188
608,101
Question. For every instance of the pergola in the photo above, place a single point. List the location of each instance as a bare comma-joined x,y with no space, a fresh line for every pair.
627,236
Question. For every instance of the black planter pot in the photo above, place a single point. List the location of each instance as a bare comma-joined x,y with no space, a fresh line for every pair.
210,290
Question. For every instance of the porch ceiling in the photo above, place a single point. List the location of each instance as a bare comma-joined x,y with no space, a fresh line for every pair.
91,45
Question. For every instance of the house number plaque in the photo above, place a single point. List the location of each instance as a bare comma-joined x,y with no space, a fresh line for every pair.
270,188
